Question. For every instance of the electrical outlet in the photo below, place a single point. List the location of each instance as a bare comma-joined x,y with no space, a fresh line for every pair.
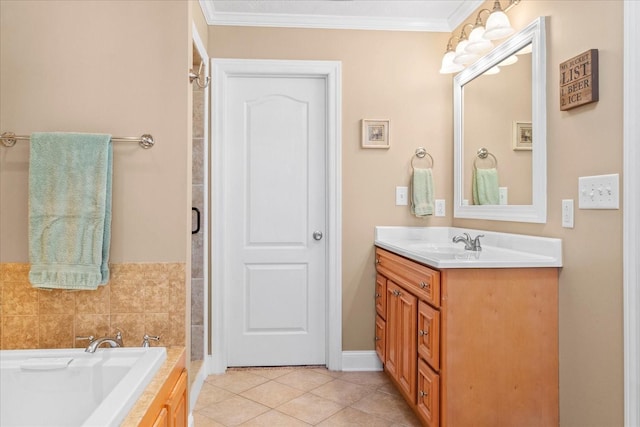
440,207
567,213
504,195
599,192
402,196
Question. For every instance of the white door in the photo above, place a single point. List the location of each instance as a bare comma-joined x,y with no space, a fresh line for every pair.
275,205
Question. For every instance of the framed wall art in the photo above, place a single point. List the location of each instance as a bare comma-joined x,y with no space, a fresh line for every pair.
522,136
375,133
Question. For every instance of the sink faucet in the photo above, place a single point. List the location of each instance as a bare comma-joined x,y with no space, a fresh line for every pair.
469,243
113,343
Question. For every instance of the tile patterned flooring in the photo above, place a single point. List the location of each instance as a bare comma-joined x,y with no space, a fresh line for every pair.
301,396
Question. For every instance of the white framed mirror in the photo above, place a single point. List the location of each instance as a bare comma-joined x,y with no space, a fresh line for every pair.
506,115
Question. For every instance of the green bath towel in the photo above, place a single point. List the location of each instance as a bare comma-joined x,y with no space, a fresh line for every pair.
422,192
485,187
69,210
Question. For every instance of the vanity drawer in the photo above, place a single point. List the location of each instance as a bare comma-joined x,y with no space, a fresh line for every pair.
381,296
420,280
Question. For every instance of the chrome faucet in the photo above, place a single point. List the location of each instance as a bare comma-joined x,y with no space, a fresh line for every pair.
469,243
113,343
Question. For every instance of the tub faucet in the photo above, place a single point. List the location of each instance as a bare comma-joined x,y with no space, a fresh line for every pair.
113,343
469,243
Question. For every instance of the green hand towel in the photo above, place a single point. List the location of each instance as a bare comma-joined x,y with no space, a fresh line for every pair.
422,192
485,186
69,210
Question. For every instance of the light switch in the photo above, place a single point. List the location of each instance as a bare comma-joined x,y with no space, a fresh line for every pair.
402,196
599,192
440,207
504,195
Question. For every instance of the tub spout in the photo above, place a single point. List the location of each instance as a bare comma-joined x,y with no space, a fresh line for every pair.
113,343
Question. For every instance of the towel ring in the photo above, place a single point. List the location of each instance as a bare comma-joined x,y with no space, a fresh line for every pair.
483,153
421,152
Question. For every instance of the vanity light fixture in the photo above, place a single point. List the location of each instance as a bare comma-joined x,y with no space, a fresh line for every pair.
469,49
448,66
477,42
463,55
498,25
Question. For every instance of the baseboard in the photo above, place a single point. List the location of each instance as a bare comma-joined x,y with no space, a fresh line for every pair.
361,361
196,386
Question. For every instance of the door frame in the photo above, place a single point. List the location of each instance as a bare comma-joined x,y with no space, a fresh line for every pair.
330,71
631,215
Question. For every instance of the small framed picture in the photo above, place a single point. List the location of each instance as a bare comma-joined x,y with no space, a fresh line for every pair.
522,136
375,133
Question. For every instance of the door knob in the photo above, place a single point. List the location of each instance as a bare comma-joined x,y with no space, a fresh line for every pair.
317,235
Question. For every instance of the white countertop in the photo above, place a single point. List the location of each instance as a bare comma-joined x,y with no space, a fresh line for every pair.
433,246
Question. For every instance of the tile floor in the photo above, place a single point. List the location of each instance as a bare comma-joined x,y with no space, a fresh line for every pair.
280,397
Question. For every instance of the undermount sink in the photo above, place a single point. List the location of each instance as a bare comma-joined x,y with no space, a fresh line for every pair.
433,246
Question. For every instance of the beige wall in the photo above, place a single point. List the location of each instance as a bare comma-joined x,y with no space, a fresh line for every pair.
581,142
395,75
102,66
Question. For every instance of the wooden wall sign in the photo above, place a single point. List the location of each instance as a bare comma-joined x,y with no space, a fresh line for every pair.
579,80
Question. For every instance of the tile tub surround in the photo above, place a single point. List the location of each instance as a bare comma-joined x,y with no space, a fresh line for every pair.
139,298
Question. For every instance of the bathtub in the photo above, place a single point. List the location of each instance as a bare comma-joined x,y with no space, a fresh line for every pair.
69,387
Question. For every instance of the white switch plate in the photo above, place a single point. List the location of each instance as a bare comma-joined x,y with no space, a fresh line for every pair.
440,207
599,192
402,196
567,213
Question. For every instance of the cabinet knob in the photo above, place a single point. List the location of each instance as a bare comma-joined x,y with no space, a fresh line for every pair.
378,295
397,293
423,332
377,261
378,339
424,393
424,285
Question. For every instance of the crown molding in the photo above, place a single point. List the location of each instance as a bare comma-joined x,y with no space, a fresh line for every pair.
214,17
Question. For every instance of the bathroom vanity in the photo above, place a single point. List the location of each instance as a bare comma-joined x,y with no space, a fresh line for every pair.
164,402
469,338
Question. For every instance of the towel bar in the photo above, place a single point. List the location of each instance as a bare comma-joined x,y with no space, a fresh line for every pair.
9,139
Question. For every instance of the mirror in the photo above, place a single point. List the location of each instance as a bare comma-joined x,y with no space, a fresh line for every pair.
500,132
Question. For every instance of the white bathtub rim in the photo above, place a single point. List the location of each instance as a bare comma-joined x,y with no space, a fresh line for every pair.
116,405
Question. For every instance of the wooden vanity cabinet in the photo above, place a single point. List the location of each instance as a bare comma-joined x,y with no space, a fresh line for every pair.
381,316
170,406
484,350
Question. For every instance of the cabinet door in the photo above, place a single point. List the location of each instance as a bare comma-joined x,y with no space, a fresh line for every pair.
401,339
163,419
392,331
177,403
428,395
380,337
381,296
429,334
